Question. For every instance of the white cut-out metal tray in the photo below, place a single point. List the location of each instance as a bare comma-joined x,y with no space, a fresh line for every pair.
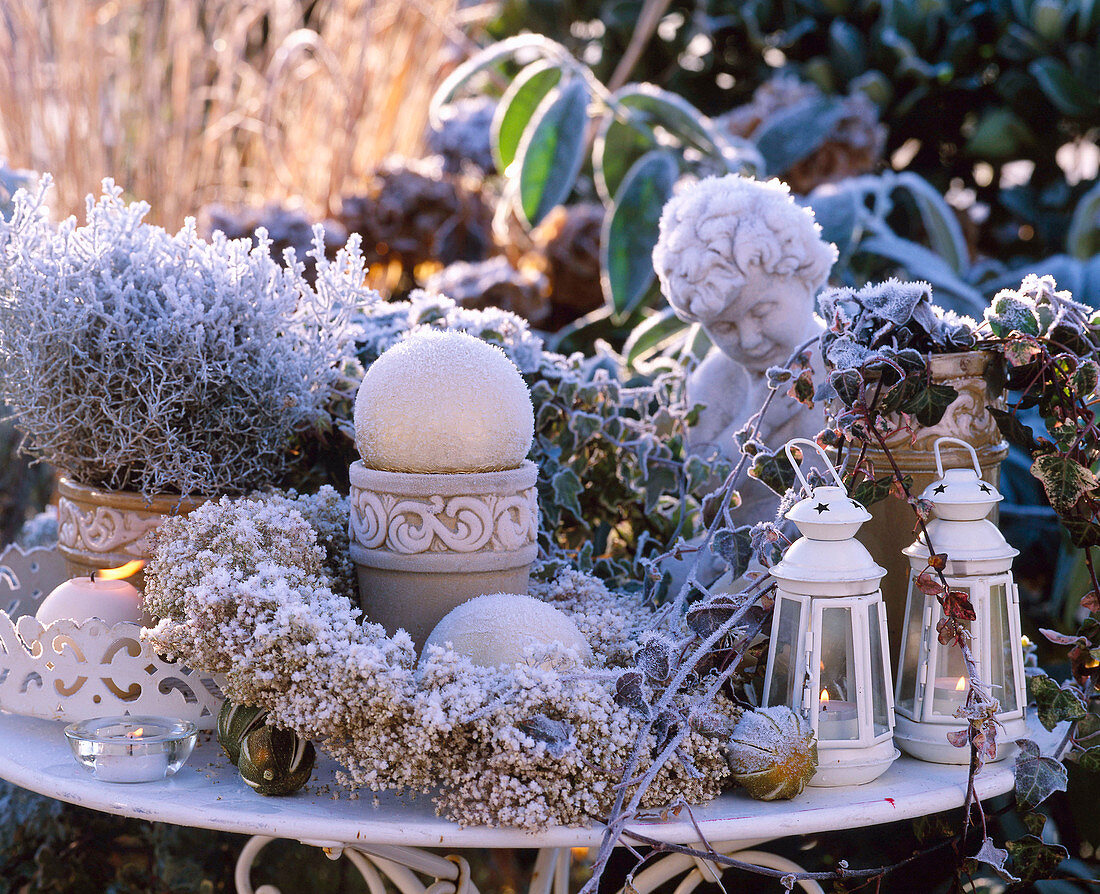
70,670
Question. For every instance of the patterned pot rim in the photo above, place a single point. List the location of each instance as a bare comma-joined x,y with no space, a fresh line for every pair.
128,500
444,522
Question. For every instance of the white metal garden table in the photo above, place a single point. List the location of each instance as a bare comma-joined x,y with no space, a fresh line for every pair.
386,836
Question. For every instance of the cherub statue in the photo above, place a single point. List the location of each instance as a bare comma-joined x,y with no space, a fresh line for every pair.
742,258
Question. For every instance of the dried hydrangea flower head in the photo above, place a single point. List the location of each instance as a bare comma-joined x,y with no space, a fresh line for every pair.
443,402
502,628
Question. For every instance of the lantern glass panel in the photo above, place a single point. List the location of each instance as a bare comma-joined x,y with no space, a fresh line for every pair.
949,682
910,653
880,709
785,647
1002,672
838,716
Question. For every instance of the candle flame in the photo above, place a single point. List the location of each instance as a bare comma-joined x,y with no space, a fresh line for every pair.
824,698
127,570
961,685
136,734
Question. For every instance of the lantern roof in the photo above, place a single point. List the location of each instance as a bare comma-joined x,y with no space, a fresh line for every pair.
960,494
828,514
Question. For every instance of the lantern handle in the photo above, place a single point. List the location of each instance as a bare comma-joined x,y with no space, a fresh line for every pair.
797,469
947,440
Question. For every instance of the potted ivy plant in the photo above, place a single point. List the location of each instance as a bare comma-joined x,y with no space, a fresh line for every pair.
156,369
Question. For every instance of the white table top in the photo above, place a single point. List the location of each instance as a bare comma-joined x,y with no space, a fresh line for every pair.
208,793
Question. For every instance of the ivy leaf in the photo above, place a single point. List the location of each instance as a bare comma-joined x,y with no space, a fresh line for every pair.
735,547
802,389
1034,859
1061,639
1037,777
1020,352
1013,430
773,470
929,404
1085,379
1053,703
630,693
1091,601
1089,759
654,659
957,605
868,492
557,734
995,857
567,488
706,618
847,384
928,585
1064,480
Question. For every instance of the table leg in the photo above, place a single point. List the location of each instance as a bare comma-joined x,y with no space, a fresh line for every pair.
695,871
398,864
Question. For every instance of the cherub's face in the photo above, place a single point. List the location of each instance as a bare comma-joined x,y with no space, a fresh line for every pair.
767,319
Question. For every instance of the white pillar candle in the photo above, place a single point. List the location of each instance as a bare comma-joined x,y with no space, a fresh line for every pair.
95,596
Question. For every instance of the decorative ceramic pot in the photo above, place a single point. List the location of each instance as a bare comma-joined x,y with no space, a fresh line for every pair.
423,543
891,528
105,529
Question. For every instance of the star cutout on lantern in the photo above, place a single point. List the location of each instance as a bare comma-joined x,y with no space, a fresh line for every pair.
940,489
821,507
984,488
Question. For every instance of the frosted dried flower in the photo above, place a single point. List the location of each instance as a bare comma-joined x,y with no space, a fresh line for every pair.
138,359
242,589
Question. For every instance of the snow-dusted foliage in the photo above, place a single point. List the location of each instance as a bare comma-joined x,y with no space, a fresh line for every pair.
881,319
242,588
143,360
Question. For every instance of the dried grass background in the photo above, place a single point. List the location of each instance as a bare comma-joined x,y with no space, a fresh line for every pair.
184,102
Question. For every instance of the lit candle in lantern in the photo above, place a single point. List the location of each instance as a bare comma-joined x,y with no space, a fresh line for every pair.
104,595
949,694
836,719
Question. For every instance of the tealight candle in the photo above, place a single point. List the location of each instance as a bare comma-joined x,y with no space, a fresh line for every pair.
949,694
837,719
131,749
103,595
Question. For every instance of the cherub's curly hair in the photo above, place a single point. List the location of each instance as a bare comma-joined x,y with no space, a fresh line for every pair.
733,222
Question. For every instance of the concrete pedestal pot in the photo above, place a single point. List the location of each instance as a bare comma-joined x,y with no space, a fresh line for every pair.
99,529
423,543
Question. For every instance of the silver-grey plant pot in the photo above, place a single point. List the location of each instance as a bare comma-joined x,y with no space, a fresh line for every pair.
423,543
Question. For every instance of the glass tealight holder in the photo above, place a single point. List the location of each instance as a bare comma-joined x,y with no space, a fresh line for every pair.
131,749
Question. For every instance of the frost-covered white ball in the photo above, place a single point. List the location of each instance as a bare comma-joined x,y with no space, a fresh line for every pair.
443,402
496,629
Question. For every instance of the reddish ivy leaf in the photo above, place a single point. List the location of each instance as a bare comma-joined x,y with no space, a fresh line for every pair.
1091,601
1062,639
1020,353
957,605
937,561
959,737
928,585
802,388
945,630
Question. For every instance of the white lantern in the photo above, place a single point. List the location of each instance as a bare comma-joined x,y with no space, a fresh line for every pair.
932,679
828,656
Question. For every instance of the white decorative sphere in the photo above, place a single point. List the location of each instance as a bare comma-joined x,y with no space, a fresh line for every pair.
443,402
496,629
